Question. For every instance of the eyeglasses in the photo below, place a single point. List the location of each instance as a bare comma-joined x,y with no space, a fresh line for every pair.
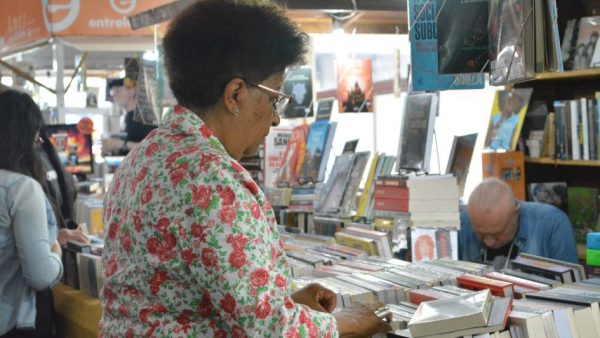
280,104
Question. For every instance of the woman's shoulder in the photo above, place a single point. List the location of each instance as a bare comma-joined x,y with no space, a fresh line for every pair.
10,179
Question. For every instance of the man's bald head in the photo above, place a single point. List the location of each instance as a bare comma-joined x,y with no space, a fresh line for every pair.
493,212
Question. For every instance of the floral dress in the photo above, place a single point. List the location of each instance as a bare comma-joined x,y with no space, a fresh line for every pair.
192,248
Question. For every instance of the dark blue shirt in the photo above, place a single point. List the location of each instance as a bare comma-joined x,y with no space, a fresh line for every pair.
544,230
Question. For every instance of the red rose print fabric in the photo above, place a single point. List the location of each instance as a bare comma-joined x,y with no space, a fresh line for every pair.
192,248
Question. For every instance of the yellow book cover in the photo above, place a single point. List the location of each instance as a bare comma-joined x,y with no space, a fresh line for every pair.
506,120
364,198
358,242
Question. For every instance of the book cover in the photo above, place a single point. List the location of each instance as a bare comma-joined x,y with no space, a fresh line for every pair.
569,43
355,86
463,45
423,35
90,274
336,184
324,108
316,153
506,120
587,38
509,167
583,211
451,314
424,245
292,157
459,160
511,29
349,201
275,145
416,135
554,193
298,83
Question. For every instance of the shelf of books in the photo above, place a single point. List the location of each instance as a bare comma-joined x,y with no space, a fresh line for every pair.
555,162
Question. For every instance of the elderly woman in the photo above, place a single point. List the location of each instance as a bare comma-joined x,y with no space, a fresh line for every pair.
192,247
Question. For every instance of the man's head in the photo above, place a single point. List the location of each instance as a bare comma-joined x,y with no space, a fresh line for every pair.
494,213
123,93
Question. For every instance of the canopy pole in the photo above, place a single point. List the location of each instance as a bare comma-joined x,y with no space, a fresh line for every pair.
58,66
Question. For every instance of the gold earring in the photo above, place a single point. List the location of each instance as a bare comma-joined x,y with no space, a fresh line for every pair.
236,111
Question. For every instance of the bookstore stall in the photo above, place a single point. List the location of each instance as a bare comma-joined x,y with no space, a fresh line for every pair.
370,171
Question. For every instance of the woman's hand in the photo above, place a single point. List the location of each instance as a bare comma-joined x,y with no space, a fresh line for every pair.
359,320
317,297
65,235
55,249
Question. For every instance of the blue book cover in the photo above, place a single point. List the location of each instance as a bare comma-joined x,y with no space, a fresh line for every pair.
424,52
315,149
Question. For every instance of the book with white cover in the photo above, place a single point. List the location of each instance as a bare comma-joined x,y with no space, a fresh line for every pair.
451,314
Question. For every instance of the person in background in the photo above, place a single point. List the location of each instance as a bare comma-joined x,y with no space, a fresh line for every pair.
496,227
61,191
123,93
192,246
30,256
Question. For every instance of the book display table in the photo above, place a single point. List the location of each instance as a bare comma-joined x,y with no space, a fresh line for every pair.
77,315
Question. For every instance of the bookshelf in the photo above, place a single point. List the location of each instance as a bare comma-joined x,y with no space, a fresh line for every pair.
557,163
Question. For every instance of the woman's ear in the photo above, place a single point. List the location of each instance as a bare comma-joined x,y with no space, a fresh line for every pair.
233,94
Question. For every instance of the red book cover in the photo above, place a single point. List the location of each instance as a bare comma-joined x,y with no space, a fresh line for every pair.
391,192
355,86
293,157
390,204
497,287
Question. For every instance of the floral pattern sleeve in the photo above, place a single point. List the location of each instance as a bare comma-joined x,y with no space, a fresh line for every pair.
192,248
241,263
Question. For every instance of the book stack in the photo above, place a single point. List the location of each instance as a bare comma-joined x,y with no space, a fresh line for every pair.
433,201
563,272
302,200
391,195
358,237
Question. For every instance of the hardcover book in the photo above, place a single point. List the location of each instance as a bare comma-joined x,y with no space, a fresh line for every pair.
414,150
355,86
298,83
463,45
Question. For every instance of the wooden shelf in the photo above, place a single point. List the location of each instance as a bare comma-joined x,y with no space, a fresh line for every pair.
551,161
569,75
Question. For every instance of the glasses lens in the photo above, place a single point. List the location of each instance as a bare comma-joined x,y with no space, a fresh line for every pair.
281,105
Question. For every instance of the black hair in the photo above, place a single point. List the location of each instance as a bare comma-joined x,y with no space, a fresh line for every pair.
22,121
214,41
66,183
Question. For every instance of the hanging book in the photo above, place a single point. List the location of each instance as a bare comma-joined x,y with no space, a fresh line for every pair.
511,29
463,45
416,136
298,83
508,113
423,34
355,86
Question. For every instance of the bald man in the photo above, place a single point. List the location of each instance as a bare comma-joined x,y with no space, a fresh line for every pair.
496,225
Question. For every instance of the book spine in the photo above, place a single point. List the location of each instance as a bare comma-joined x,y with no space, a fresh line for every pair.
584,131
391,204
552,135
575,144
383,191
592,129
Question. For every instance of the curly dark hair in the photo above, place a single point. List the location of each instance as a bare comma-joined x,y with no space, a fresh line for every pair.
214,41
